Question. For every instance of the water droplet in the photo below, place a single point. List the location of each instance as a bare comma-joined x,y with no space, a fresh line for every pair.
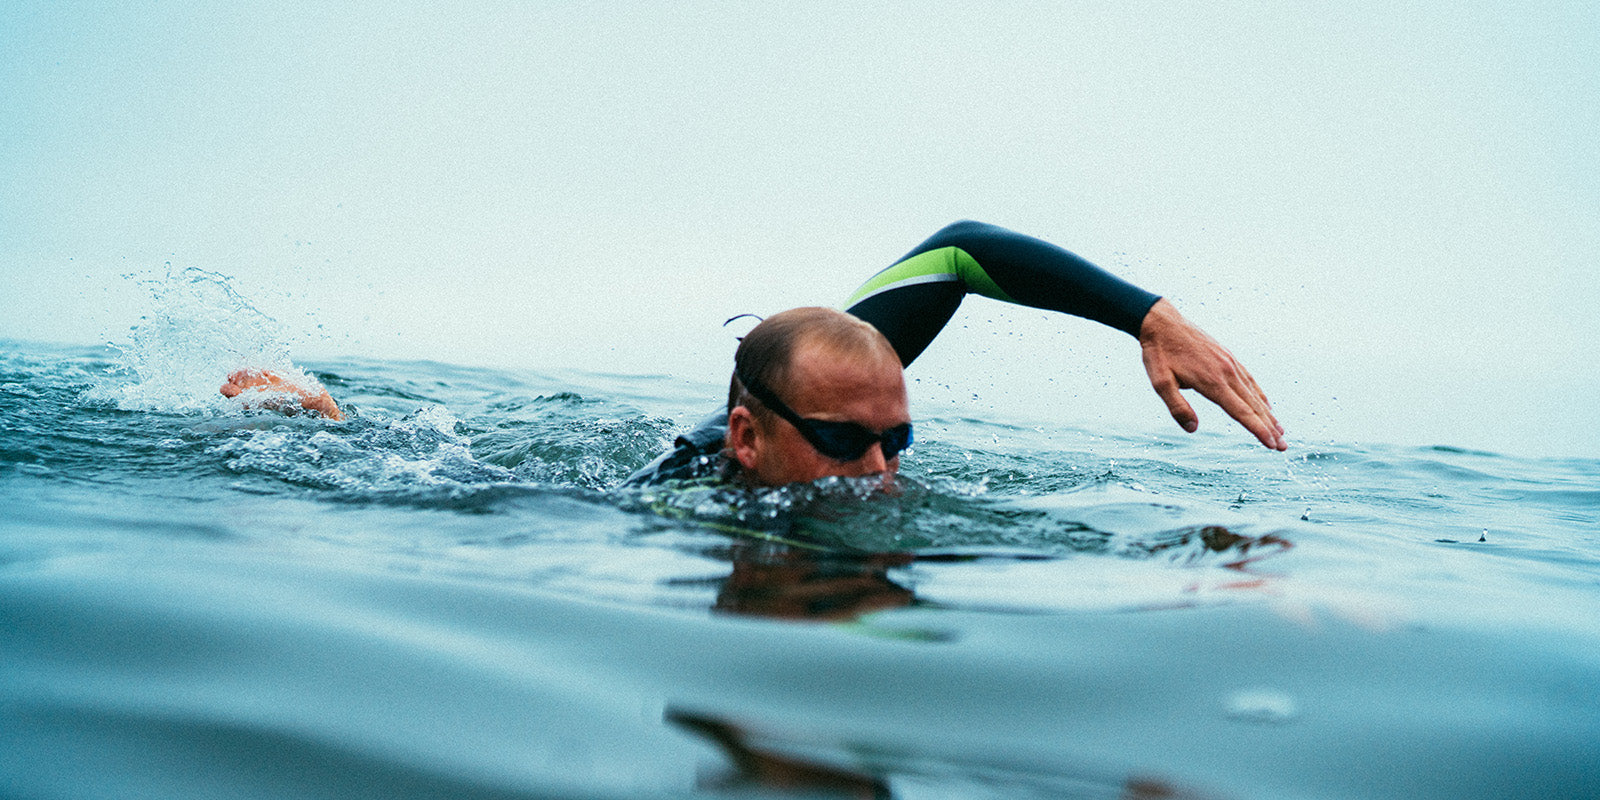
1263,705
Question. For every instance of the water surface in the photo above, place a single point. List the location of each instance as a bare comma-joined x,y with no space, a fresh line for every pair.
449,595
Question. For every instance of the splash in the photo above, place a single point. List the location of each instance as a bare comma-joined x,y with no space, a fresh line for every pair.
200,330
420,459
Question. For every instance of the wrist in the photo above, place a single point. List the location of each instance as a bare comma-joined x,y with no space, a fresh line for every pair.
1161,317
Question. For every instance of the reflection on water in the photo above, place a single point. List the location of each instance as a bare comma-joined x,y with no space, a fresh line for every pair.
762,761
755,768
786,582
1242,551
782,580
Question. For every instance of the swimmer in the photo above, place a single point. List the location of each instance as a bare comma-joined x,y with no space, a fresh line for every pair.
817,392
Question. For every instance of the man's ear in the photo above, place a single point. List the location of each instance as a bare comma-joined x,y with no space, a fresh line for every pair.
744,440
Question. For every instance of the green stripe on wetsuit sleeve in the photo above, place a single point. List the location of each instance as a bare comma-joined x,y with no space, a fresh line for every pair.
933,266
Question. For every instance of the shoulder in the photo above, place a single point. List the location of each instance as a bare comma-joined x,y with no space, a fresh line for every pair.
695,454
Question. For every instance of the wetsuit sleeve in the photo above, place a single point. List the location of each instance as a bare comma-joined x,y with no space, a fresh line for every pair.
688,458
912,299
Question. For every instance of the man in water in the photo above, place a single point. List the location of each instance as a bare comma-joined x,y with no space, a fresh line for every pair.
817,392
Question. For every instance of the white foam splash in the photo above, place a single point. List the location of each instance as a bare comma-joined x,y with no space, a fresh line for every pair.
413,456
200,330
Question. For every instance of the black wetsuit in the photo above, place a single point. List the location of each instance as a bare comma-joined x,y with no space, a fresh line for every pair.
912,299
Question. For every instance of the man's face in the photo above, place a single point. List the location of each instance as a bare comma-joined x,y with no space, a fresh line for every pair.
869,391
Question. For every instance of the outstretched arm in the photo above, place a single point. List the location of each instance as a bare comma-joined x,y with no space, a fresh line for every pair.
911,301
268,389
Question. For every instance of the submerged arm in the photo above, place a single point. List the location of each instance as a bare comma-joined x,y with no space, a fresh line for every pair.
268,389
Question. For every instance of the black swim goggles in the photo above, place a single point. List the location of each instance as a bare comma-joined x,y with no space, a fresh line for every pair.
840,441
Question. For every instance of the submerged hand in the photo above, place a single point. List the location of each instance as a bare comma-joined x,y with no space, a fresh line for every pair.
262,381
1178,355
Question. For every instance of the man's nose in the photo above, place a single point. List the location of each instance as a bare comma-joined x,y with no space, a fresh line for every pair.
872,461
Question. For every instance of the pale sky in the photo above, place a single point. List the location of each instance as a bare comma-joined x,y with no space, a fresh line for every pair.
1389,211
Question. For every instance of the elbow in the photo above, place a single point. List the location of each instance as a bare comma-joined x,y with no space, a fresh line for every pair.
962,226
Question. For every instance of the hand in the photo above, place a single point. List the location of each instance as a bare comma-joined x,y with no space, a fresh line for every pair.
263,381
1178,355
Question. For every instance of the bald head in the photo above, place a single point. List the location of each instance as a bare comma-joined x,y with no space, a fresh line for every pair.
766,355
817,365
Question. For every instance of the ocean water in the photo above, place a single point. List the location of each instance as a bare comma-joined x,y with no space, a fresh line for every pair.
450,595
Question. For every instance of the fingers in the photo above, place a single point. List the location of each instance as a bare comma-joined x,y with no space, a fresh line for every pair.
1181,411
323,404
1167,388
1262,425
1231,387
1262,408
